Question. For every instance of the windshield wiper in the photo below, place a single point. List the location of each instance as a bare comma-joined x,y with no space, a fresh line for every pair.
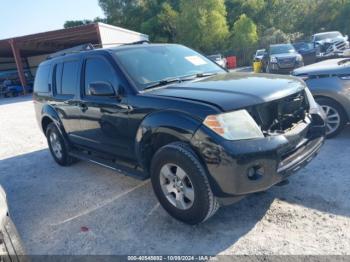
180,79
163,82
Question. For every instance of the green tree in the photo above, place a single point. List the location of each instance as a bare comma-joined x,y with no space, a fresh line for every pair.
160,21
202,24
252,8
73,23
244,32
124,13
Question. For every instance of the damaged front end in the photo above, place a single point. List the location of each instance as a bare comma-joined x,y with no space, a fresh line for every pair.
294,131
331,49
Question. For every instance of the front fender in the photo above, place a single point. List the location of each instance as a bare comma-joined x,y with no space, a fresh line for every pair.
167,126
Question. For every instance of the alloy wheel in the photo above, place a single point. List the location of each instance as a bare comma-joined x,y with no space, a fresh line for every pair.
56,145
177,186
333,119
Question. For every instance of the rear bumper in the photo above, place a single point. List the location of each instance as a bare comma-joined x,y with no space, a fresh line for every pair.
238,168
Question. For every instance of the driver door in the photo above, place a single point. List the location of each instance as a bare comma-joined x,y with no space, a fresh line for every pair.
104,114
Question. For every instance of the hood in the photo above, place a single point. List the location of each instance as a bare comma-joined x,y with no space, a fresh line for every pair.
331,40
327,67
231,91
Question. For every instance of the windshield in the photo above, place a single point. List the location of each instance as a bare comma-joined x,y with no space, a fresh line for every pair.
304,46
260,52
328,35
281,49
150,64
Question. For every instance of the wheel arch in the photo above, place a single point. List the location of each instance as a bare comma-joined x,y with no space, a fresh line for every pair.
50,115
160,129
322,96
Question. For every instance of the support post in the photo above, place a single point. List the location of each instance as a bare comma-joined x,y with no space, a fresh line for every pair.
18,60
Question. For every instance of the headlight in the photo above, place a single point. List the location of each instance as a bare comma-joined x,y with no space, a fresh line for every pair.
237,125
299,58
273,59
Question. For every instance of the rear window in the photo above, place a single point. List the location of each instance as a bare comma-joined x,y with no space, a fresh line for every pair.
41,84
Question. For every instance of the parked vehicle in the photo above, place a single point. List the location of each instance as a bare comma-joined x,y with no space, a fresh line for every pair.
219,59
15,88
281,59
13,76
329,82
10,243
205,137
329,44
259,55
307,50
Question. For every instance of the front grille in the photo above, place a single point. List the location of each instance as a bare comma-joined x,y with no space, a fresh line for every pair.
336,46
341,45
286,62
281,115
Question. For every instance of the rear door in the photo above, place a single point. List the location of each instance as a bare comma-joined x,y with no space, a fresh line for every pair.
104,119
65,84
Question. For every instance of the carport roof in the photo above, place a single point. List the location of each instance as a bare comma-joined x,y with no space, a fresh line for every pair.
51,41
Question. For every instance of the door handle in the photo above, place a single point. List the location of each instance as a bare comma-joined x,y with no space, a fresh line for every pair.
71,101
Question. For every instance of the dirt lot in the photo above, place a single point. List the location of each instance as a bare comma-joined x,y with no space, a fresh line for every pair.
87,209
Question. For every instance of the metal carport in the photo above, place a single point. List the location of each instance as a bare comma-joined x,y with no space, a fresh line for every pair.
28,51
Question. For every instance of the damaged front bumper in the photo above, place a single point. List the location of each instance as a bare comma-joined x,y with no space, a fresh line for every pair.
238,168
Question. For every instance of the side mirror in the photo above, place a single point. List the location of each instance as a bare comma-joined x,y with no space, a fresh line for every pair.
101,89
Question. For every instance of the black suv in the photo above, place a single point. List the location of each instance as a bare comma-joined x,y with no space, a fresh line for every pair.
205,137
281,59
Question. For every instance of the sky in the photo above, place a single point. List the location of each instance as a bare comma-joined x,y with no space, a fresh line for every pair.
23,17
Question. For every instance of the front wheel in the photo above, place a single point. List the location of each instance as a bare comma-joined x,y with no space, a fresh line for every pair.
181,185
336,117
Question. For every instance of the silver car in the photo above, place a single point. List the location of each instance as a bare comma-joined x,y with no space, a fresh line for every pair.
219,59
329,82
11,248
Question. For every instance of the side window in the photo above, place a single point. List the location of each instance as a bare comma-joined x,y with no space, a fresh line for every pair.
41,83
70,76
56,78
99,70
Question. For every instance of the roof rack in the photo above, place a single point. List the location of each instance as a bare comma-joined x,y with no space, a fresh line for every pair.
75,49
138,42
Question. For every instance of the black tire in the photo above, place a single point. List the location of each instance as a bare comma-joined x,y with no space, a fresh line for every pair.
205,204
64,159
267,69
322,101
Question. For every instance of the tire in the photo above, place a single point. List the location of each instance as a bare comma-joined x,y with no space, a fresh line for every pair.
57,143
179,159
268,69
332,108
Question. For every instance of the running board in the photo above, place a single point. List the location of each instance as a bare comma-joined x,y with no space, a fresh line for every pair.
124,170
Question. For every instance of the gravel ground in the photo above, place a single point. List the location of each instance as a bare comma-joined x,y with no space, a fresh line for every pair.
87,209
